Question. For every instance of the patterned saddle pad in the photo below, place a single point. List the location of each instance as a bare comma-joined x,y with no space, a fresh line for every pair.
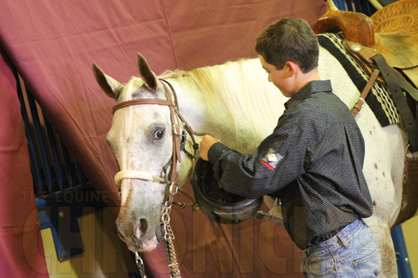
379,99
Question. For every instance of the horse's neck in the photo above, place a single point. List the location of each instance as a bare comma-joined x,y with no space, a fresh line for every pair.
232,129
242,125
241,108
206,118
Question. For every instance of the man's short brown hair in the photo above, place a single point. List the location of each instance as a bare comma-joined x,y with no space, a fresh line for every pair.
289,39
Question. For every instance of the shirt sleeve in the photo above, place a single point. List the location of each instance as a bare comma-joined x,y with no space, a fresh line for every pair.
279,160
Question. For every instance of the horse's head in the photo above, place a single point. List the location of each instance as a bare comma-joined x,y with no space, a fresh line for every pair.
141,140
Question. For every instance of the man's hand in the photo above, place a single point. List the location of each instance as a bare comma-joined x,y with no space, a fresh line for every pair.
205,145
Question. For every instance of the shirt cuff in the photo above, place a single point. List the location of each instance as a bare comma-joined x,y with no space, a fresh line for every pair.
215,152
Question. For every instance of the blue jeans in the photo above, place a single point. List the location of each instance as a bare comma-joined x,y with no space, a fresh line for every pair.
350,253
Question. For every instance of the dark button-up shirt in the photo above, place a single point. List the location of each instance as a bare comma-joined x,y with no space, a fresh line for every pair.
312,161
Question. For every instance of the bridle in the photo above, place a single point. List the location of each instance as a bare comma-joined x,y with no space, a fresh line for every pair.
178,132
179,140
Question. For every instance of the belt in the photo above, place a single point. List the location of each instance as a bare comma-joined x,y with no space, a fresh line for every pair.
321,238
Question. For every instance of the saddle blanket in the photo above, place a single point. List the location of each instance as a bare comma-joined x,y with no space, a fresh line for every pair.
379,99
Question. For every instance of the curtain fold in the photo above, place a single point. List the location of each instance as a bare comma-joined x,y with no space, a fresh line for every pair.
21,248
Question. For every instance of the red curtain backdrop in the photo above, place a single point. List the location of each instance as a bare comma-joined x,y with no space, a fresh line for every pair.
53,45
21,248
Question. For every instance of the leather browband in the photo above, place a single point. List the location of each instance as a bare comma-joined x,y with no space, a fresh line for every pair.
141,101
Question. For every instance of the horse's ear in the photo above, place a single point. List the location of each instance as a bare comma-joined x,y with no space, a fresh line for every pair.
146,73
109,85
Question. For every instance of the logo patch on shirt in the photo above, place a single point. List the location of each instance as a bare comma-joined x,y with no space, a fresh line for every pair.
271,159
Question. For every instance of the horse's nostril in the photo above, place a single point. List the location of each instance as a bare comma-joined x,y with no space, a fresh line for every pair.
142,227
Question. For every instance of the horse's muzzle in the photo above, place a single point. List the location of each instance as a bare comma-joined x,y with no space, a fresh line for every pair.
142,237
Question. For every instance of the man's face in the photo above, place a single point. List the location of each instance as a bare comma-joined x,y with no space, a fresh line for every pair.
279,77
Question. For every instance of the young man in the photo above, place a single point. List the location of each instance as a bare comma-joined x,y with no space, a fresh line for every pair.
313,161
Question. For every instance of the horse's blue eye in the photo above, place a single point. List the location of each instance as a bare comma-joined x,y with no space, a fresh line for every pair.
158,134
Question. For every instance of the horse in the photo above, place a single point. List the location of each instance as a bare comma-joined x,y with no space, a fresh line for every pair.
236,103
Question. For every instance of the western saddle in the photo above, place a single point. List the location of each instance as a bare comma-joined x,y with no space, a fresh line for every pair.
386,46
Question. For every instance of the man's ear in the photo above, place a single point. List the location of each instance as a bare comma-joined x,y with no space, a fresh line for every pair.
292,68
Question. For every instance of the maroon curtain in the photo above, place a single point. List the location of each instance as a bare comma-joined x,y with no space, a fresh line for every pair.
22,253
53,45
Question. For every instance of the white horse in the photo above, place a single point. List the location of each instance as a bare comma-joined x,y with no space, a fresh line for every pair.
236,103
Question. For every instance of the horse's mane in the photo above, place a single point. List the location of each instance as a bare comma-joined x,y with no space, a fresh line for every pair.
239,89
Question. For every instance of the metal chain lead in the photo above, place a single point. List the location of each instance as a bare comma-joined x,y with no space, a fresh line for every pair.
165,220
165,213
173,265
168,234
140,265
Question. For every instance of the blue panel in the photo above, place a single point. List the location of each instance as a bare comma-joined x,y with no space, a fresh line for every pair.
402,259
340,4
60,212
64,227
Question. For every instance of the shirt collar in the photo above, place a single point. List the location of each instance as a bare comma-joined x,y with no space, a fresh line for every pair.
310,88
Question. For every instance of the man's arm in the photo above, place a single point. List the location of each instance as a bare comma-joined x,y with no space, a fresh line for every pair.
238,173
205,145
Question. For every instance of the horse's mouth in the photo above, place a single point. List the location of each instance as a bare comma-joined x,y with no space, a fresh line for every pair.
143,236
143,246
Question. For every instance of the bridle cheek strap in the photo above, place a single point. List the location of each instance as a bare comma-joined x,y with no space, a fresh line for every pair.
132,174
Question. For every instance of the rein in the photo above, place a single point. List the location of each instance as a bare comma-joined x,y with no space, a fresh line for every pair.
178,146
